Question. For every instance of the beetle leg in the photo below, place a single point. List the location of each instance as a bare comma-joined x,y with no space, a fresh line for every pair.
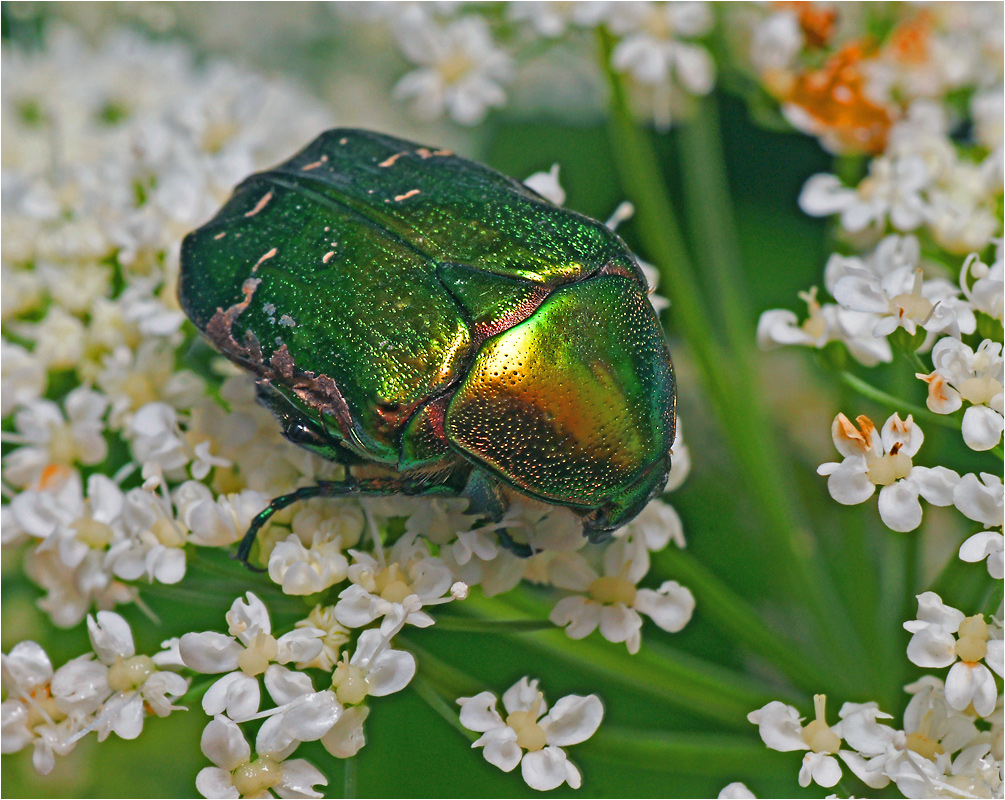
348,486
485,496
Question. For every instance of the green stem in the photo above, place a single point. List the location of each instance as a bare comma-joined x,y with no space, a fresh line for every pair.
735,401
714,755
349,778
712,227
706,689
733,615
441,707
494,626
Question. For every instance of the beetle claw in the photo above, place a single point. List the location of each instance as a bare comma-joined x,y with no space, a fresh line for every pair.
247,564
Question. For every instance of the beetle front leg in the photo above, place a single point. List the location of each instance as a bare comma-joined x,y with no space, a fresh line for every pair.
321,489
348,486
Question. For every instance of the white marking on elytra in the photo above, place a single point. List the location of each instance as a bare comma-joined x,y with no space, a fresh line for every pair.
260,205
287,321
327,257
406,195
220,235
315,164
388,162
264,258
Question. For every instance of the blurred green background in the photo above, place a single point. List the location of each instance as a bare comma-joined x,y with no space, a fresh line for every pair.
411,750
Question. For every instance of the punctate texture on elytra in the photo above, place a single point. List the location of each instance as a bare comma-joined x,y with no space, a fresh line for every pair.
403,306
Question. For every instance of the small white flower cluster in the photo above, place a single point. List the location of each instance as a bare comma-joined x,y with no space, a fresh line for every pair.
951,741
110,690
111,155
927,199
467,56
249,655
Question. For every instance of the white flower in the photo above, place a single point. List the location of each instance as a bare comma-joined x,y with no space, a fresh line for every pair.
781,729
136,682
574,719
24,377
988,287
236,774
652,46
986,545
322,618
652,530
613,602
302,571
301,714
904,299
49,440
31,715
551,19
375,669
825,323
72,561
462,71
980,499
346,737
216,521
736,791
245,654
892,189
155,543
884,459
71,591
157,439
977,377
410,578
934,645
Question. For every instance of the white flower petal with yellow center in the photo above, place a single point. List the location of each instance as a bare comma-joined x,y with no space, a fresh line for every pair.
135,680
941,635
885,459
962,374
612,601
529,735
245,654
237,774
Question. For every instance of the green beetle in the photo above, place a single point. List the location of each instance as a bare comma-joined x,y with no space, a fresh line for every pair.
405,307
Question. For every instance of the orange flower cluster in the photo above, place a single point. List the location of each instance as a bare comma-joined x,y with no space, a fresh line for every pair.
836,101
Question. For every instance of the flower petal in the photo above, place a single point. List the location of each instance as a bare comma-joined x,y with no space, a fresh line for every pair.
982,427
237,694
574,719
224,744
545,770
209,652
670,607
298,778
110,636
899,507
500,748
